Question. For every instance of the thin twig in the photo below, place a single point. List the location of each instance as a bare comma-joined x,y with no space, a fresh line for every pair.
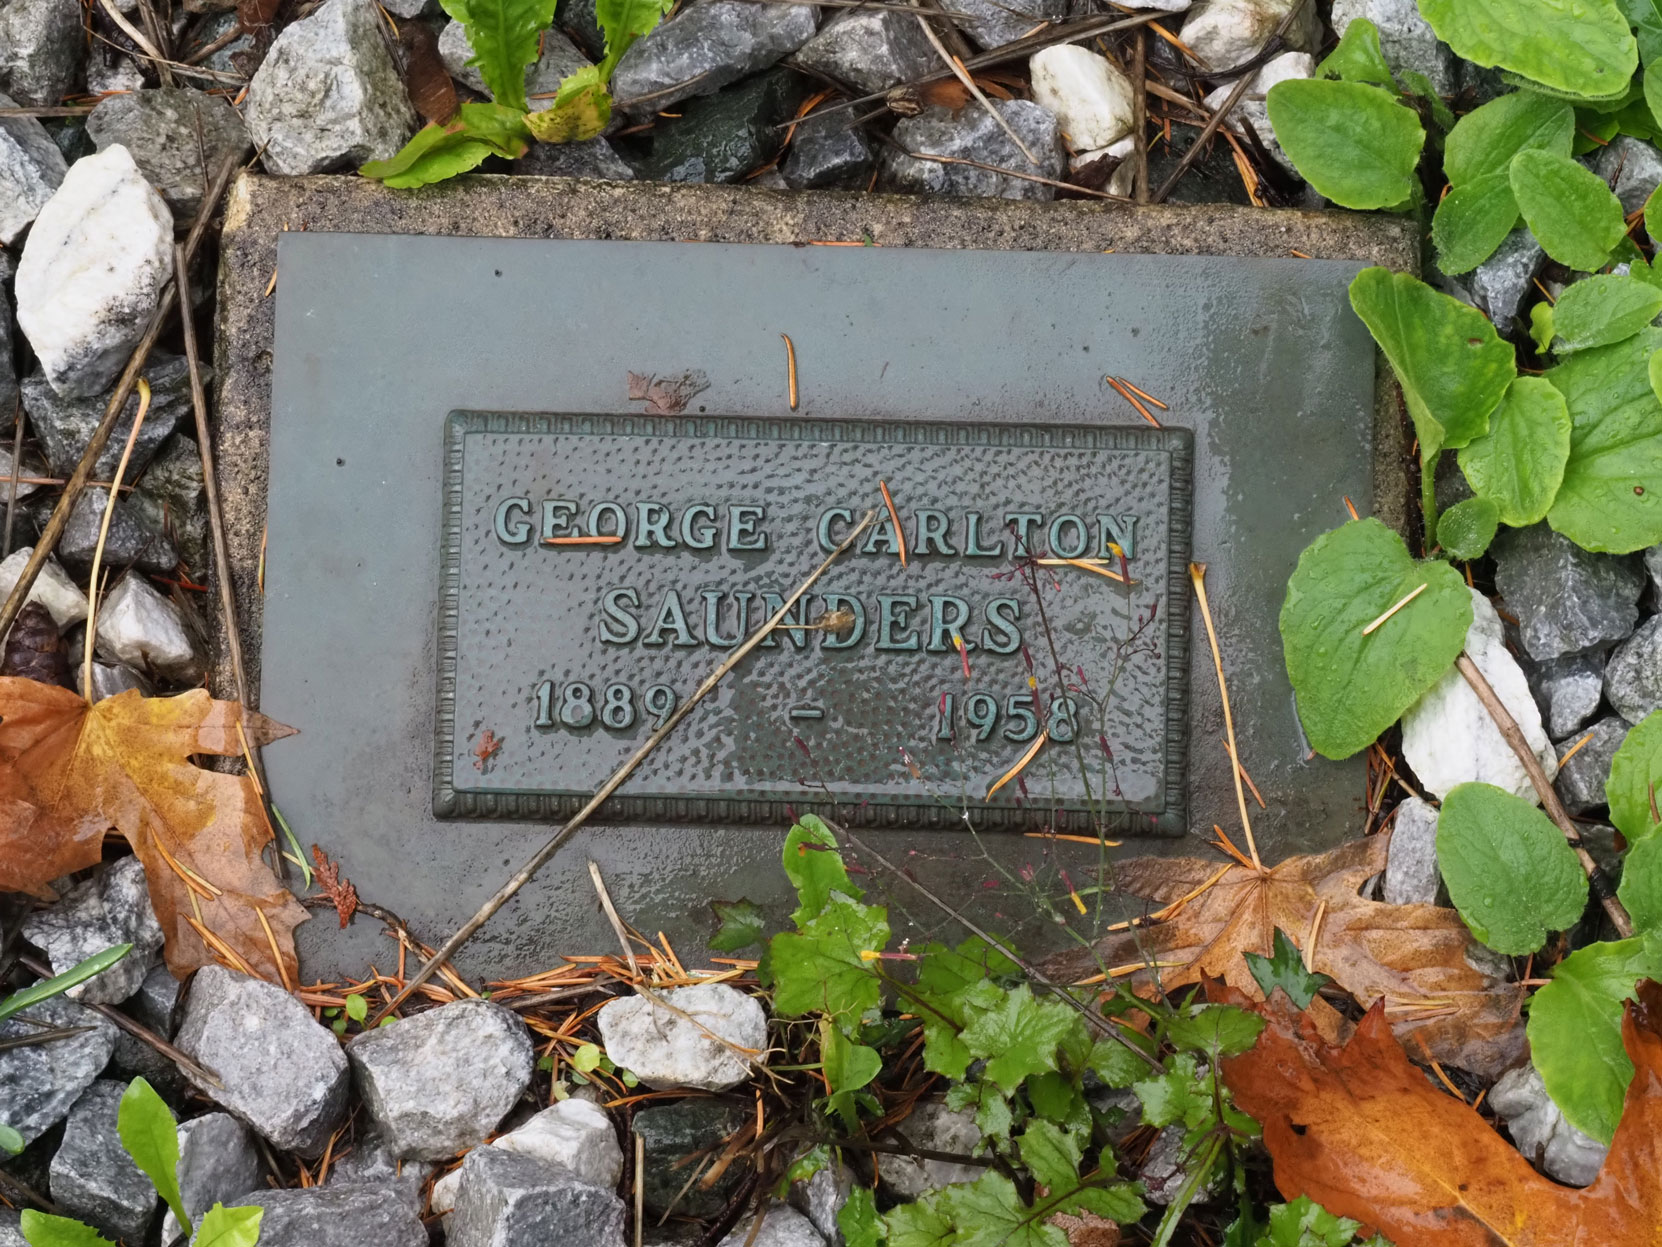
17,470
1197,574
1513,735
542,856
1009,173
78,479
960,73
1139,117
104,536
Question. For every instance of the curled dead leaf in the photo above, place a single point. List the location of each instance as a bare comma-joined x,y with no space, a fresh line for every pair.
69,772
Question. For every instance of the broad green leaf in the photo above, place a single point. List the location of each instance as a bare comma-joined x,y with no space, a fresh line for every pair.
1358,58
1352,687
1646,17
815,868
1286,970
741,924
1509,870
623,22
1019,1037
858,1219
1057,1097
437,152
1178,1095
1417,84
952,986
506,36
357,1008
10,1141
58,984
1051,1155
1611,498
44,1230
1466,529
989,1212
229,1227
1654,369
821,970
1304,1223
920,1224
1653,95
1115,1063
1453,366
1519,464
1120,1202
1582,47
1600,310
1214,1030
581,108
151,1136
1635,778
1641,887
1352,142
1575,1030
1572,213
992,1110
1475,217
1653,215
848,1066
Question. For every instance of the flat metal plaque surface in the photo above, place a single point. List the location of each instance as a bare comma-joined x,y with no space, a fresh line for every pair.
596,568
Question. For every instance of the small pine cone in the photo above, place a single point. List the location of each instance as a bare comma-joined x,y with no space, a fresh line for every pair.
34,650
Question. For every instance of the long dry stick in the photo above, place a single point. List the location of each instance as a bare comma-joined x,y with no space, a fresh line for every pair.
1092,1018
15,478
104,536
1197,574
1514,737
541,858
112,412
960,73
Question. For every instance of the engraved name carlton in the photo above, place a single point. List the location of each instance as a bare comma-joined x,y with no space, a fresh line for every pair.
596,568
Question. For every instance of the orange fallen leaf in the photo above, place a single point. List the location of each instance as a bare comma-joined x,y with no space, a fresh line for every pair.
1419,960
1361,1131
69,772
342,895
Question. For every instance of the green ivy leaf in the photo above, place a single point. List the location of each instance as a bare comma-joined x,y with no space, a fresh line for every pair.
1509,870
1358,58
1572,213
820,970
1051,1155
44,1230
506,36
1214,1030
920,1224
1119,1202
990,1106
741,924
1453,366
582,106
1611,498
151,1136
1286,969
1466,529
1600,310
858,1219
437,152
1304,1223
229,1227
815,868
623,22
1352,687
1641,887
1352,142
1635,772
1581,47
1519,464
1475,217
953,986
989,1212
1575,1030
1019,1037
1178,1095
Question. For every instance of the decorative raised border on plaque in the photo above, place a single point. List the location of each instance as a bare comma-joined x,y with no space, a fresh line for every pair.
906,814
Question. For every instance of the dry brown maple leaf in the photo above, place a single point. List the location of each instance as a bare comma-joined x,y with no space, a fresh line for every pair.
1417,959
1363,1132
69,772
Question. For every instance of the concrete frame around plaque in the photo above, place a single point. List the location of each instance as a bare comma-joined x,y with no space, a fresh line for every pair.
982,311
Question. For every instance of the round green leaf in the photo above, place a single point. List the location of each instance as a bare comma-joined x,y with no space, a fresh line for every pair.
1570,210
1352,687
1453,366
1575,1030
1358,58
1472,221
1600,310
1484,141
1611,498
1519,464
1352,142
1466,529
1510,872
1641,888
1582,47
1634,772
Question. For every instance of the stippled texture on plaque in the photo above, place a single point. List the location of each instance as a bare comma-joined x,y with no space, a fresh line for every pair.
595,569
